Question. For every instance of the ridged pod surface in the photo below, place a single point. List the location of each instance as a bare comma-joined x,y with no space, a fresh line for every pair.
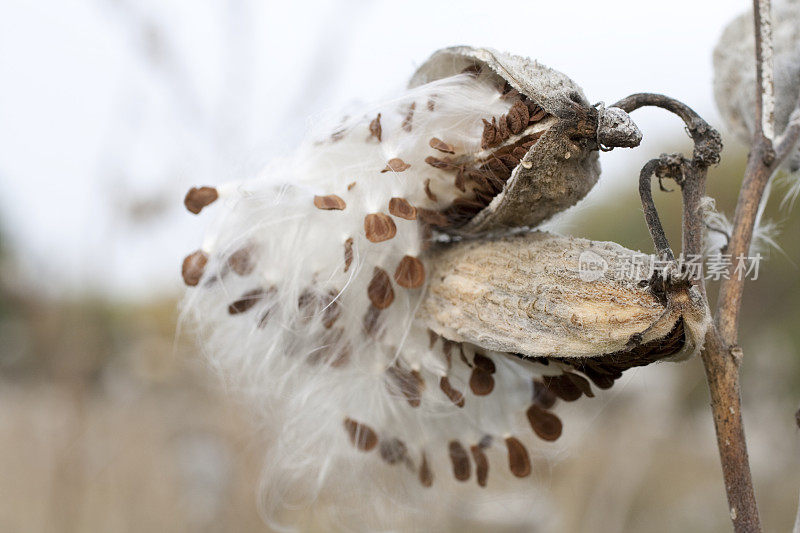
533,294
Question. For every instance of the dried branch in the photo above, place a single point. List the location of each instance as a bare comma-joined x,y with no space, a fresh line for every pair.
719,359
722,355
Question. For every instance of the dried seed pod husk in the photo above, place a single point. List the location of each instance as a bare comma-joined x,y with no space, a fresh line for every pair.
735,75
529,295
562,166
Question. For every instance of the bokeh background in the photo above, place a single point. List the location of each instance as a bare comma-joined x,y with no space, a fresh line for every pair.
111,109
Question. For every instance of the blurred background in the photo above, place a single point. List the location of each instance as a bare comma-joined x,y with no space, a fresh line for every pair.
111,109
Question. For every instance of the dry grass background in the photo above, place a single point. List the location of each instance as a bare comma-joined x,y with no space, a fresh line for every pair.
108,425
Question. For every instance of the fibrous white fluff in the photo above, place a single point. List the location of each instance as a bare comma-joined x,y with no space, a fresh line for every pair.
306,292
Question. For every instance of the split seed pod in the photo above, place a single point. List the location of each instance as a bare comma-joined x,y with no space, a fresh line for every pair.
562,166
310,284
540,295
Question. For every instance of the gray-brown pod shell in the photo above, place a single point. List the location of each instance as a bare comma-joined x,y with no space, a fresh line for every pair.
563,165
542,295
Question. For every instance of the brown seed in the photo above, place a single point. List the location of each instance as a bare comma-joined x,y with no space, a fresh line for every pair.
400,207
438,144
329,202
197,198
518,461
408,382
330,309
375,129
542,395
537,114
351,185
517,117
361,435
393,451
371,323
481,382
406,125
434,218
460,460
562,387
379,227
410,273
569,387
484,363
193,267
580,382
425,474
246,301
380,290
442,164
348,253
447,348
544,423
455,395
241,261
481,464
431,103
396,165
490,136
429,192
432,337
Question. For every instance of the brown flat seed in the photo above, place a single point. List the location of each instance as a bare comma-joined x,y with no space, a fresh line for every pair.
380,290
438,144
396,165
537,115
410,273
544,423
408,120
444,164
432,337
400,208
393,451
580,382
455,395
241,261
481,464
246,301
375,129
197,198
408,382
361,435
348,253
518,117
484,363
425,474
371,323
460,460
429,192
562,387
481,382
434,218
193,267
379,227
542,395
351,185
329,202
518,461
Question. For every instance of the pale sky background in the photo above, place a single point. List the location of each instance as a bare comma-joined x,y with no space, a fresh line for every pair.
109,108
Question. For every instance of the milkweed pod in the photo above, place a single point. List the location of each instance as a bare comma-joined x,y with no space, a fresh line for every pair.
562,165
540,295
735,75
